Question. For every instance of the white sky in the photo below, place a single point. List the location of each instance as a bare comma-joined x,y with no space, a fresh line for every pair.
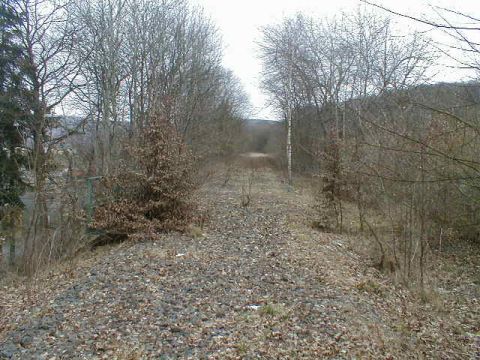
239,22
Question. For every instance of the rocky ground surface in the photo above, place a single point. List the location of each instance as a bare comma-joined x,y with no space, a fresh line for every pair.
255,283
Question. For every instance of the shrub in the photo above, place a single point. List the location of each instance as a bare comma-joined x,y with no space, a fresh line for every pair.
151,190
330,188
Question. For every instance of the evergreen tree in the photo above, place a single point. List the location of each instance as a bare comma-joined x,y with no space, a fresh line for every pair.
12,108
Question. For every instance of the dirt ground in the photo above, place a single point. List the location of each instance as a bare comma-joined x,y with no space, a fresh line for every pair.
257,282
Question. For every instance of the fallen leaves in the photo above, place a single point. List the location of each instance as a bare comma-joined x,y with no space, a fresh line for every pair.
257,286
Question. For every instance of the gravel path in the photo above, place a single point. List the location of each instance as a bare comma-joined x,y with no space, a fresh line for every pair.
259,283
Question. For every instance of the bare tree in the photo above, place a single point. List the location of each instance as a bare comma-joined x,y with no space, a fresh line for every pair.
48,39
101,36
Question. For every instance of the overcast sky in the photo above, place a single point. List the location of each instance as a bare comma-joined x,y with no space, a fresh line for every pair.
239,22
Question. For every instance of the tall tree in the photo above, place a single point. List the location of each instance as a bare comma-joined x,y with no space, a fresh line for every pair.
13,116
47,37
12,92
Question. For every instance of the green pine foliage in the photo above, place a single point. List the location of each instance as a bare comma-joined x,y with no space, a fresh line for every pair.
12,109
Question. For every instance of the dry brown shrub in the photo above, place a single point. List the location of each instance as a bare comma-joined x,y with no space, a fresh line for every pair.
330,187
151,191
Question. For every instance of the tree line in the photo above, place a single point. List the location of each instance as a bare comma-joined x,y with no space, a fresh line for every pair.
82,84
382,137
